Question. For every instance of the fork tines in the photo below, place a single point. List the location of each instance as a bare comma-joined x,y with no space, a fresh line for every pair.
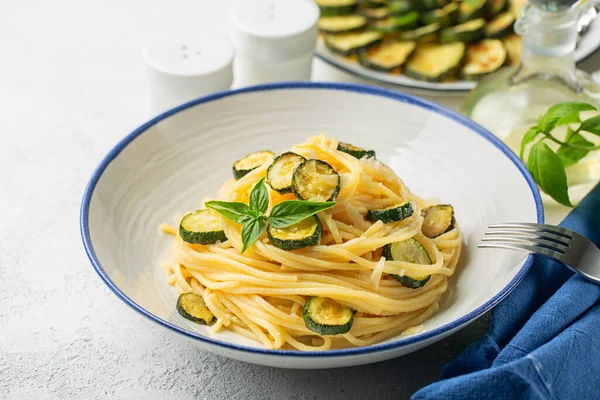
548,240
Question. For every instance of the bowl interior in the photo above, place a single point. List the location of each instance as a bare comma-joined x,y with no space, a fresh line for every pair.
166,167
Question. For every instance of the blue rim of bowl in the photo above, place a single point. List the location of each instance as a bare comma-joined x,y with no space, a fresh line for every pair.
362,89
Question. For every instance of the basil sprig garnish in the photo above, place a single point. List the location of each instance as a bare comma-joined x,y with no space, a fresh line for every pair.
547,166
253,216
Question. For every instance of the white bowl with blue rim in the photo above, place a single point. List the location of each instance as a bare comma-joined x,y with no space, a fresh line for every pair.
166,166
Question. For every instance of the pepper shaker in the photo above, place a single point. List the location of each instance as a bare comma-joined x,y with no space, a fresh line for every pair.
274,40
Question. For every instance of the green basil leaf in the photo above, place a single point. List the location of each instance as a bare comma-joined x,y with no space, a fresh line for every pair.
549,172
529,137
591,125
255,214
259,197
562,113
569,135
569,119
234,210
570,156
291,212
251,231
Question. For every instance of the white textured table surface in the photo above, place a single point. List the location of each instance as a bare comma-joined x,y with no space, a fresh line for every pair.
71,85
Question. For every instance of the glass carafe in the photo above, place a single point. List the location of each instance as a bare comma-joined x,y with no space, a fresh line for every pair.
509,101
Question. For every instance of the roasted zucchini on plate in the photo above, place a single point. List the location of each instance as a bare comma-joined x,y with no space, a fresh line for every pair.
342,23
352,43
369,36
387,57
471,9
426,33
467,32
373,3
399,7
435,63
326,316
483,58
374,13
444,17
433,4
336,7
500,26
412,251
495,7
512,43
400,23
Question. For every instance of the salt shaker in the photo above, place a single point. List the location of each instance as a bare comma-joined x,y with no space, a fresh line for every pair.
187,65
274,40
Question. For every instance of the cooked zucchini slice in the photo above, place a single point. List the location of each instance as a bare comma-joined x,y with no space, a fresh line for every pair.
500,26
433,4
279,174
516,5
495,7
201,227
386,57
435,63
443,16
302,234
252,161
373,3
513,46
483,58
412,251
336,7
397,24
352,43
342,23
374,13
315,180
471,9
355,151
420,34
467,32
327,317
391,214
399,7
191,306
438,220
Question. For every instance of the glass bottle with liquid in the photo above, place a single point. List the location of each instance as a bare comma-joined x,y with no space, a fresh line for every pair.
509,101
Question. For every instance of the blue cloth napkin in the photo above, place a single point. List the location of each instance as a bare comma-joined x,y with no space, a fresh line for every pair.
544,338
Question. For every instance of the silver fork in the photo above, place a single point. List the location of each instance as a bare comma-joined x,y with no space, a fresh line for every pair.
572,249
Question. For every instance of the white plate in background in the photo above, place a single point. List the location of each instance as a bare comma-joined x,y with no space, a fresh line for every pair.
588,44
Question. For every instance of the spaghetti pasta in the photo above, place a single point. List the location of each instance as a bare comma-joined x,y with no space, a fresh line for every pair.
260,294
